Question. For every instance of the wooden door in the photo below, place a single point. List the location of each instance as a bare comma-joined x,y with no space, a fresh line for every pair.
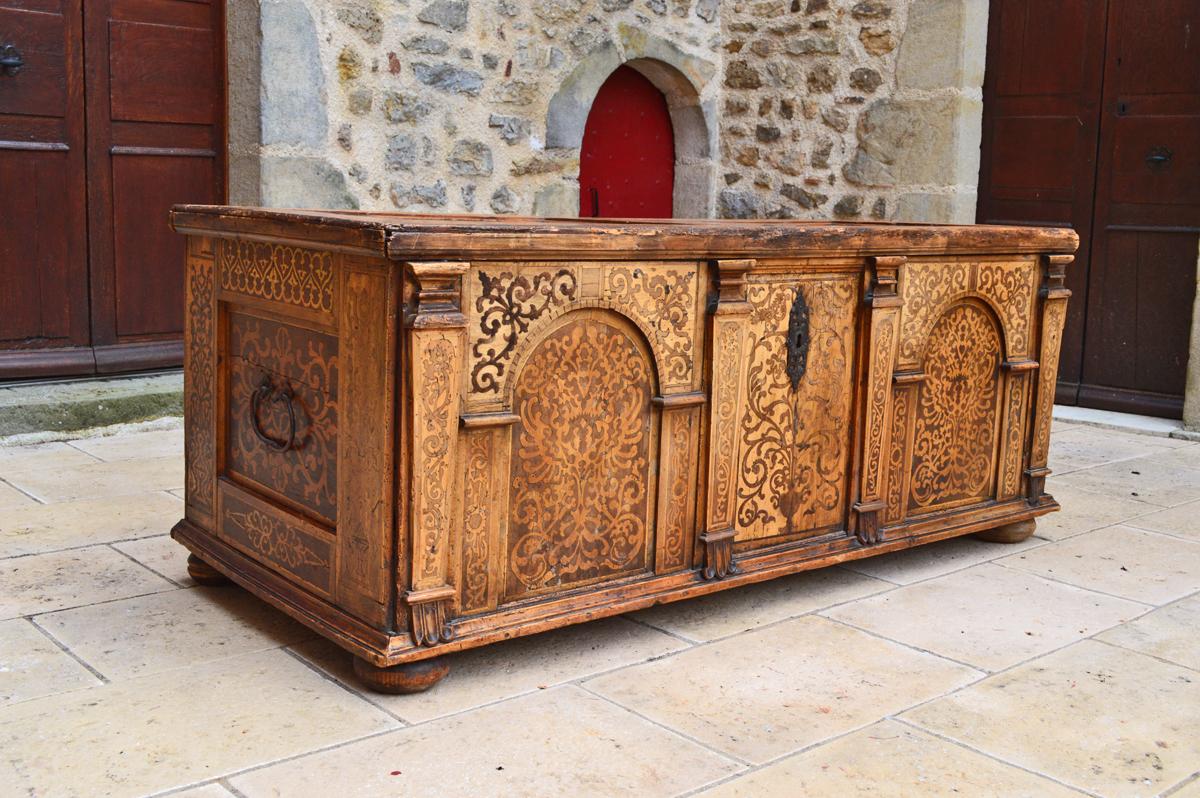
627,164
1142,280
155,111
1091,120
43,223
1041,107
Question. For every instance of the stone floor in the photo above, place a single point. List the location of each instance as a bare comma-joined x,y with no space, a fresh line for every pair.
1066,665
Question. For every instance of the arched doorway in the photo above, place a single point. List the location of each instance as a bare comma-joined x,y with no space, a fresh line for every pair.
627,163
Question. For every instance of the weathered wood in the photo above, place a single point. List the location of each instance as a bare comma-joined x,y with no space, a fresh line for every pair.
524,442
204,574
403,679
1009,533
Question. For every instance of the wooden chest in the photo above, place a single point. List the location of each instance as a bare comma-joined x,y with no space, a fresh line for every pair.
420,434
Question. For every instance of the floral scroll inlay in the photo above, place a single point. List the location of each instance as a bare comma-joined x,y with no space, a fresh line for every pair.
435,399
507,304
201,379
930,288
678,516
793,459
477,499
581,458
664,299
725,395
276,541
954,443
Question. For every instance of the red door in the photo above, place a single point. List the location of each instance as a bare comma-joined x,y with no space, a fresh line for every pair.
627,165
1092,119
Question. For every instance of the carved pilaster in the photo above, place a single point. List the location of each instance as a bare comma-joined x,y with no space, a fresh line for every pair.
1054,295
905,389
436,348
883,339
728,336
200,383
487,439
677,481
1014,423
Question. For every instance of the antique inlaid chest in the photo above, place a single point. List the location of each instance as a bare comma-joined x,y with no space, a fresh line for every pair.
420,434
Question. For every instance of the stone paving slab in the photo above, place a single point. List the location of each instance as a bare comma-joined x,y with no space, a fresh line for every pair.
1066,665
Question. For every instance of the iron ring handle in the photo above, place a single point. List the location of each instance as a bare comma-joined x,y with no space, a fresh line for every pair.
267,390
11,61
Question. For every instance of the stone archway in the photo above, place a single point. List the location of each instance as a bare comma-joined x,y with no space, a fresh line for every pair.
687,83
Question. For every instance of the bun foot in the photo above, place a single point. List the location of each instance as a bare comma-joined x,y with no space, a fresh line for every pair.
1009,533
204,574
410,677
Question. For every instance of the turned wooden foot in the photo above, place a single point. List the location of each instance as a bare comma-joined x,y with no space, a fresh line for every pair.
204,574
411,677
1009,533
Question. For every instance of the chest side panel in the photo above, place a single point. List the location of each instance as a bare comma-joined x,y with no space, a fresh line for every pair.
961,390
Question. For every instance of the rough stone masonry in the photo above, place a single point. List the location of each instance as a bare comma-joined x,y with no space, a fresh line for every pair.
783,108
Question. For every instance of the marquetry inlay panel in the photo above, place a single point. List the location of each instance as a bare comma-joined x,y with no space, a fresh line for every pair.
581,459
793,467
929,288
277,272
957,410
508,305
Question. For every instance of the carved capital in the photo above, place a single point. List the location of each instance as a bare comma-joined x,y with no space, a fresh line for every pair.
436,297
885,273
429,615
869,529
731,286
718,554
1054,271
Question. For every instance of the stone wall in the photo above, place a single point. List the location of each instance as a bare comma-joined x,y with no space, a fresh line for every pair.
852,108
782,108
443,105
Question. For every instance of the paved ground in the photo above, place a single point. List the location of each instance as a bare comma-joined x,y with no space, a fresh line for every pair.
1069,664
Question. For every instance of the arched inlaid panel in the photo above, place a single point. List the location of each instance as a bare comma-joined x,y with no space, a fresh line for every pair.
582,450
957,410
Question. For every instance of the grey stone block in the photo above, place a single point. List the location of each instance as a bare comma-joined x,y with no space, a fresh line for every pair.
293,83
302,182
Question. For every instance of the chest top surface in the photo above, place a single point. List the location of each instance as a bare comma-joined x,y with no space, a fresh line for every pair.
400,237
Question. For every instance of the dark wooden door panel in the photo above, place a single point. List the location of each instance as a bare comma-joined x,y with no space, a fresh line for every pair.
43,252
1147,211
1140,314
156,121
149,291
1041,124
40,38
162,73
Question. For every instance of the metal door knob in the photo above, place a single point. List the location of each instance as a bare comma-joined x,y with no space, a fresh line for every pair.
1158,157
10,60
